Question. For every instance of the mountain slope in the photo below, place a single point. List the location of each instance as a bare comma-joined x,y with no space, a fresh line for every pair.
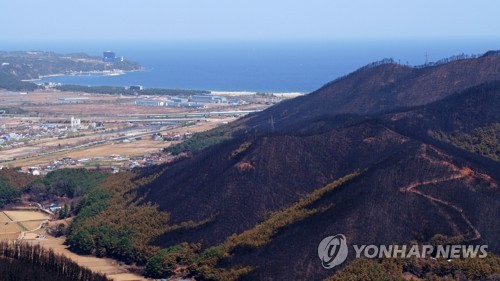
381,88
407,197
272,172
380,122
479,105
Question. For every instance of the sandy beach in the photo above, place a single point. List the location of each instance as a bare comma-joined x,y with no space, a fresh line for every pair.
245,93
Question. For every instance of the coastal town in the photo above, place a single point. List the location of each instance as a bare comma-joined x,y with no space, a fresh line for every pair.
47,129
45,126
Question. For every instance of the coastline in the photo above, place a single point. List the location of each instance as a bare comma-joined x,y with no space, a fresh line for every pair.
114,72
119,72
212,92
246,93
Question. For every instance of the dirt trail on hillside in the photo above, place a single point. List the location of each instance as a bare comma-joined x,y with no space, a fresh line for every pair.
458,173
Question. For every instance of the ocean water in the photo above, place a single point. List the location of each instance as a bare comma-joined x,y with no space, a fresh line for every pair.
281,66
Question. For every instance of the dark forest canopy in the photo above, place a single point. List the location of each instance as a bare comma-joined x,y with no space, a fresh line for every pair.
11,83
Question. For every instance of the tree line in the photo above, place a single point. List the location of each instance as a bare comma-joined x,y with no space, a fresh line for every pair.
7,193
110,222
23,261
205,264
11,83
127,91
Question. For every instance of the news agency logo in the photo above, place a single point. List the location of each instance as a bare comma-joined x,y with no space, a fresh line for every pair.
333,251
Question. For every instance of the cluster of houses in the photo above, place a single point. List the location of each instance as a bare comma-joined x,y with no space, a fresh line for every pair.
172,136
18,135
14,137
111,164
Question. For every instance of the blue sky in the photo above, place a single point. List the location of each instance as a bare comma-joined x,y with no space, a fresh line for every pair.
60,20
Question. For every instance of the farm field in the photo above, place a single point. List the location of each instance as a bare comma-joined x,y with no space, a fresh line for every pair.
135,148
25,215
132,149
10,230
31,225
9,227
42,132
9,236
4,218
13,222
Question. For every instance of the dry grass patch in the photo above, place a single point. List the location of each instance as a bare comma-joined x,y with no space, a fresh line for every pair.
8,236
32,225
11,227
4,218
26,215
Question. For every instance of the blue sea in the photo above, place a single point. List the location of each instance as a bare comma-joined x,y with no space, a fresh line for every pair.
266,66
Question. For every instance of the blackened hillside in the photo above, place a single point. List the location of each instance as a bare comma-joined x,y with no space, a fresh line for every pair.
239,190
393,202
379,122
381,88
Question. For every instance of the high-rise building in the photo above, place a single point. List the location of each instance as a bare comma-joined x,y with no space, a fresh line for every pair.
108,56
75,123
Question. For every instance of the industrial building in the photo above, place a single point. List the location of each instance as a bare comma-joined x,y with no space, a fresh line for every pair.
172,104
149,103
73,100
180,100
218,99
208,99
136,88
196,105
185,104
235,102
